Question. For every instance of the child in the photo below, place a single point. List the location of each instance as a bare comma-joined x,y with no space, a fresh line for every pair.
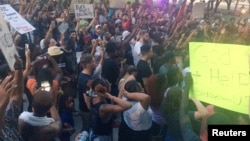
66,107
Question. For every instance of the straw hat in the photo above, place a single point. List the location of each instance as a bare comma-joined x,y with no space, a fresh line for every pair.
54,50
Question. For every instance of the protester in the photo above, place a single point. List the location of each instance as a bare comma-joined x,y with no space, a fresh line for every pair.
136,121
68,51
88,65
12,88
36,126
101,112
66,107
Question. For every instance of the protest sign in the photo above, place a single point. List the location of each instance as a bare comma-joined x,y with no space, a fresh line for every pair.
15,19
84,11
221,75
63,27
73,2
6,43
198,10
117,3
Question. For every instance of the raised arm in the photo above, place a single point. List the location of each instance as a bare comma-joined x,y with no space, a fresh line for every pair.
48,35
56,69
185,123
189,38
17,94
6,87
27,63
144,99
118,107
91,23
201,110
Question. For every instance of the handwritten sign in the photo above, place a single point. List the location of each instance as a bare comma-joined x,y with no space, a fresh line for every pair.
198,10
73,2
84,11
117,3
15,19
221,75
6,43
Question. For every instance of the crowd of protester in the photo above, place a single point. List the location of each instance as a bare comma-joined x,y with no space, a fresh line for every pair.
132,74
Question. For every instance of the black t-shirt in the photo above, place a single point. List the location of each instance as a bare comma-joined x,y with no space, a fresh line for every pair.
143,71
128,54
102,127
82,89
69,58
110,71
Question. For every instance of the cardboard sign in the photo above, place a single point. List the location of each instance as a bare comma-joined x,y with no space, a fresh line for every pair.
6,43
117,3
84,11
15,19
73,2
221,75
198,10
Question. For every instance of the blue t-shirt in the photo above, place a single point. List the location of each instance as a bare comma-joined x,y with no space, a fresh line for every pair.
66,117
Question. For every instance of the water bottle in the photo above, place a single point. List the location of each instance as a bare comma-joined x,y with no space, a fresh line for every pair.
84,136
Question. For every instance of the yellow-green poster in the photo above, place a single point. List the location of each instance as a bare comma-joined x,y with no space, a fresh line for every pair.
221,75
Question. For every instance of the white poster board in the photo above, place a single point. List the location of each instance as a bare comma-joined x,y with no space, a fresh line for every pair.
63,27
73,2
16,21
7,45
117,3
198,10
84,11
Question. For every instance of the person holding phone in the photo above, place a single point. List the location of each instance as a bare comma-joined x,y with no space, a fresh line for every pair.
47,76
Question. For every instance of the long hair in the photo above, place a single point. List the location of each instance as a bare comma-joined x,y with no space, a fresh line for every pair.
62,103
172,101
156,86
99,85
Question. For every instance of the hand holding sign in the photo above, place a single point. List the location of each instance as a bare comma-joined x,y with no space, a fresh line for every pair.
6,43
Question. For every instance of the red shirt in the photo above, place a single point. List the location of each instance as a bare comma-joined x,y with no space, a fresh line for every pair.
126,24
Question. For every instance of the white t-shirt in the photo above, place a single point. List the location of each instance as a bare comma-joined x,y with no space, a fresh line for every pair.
136,52
98,53
137,118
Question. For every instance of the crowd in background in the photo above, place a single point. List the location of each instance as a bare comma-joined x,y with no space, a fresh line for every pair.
133,72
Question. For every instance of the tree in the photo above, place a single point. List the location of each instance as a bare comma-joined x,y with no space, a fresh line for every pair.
237,2
229,2
249,5
217,3
210,5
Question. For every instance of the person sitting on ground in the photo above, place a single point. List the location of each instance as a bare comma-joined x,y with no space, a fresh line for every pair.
66,107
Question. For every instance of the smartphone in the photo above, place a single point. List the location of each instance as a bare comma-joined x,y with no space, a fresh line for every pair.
45,86
26,46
